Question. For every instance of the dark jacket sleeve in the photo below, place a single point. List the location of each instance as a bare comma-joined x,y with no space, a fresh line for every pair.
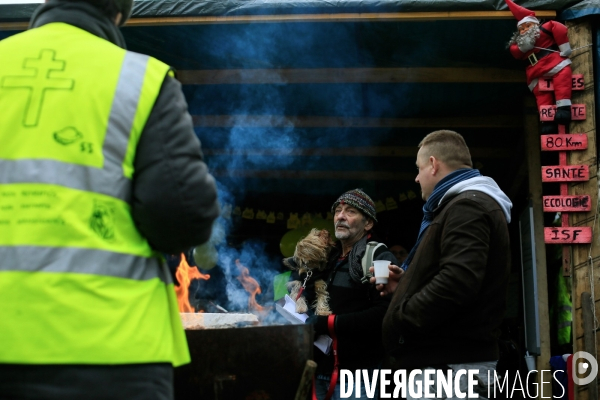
367,322
462,269
174,197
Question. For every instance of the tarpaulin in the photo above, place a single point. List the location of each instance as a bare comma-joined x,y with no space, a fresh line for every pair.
567,9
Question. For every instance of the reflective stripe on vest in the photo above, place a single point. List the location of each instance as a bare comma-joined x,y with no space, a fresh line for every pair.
119,126
79,284
82,261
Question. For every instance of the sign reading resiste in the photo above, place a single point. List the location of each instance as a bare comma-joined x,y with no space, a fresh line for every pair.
578,112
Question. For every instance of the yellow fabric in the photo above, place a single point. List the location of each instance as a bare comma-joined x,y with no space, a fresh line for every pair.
55,216
41,80
564,310
60,317
99,320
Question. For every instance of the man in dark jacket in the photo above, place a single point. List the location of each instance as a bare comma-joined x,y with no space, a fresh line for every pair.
98,317
356,306
447,307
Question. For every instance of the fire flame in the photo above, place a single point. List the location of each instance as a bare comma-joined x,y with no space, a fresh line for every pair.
251,286
184,275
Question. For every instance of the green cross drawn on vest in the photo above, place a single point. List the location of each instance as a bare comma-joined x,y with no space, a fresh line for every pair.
38,83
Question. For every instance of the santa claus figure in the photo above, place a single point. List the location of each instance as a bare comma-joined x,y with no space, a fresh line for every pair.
545,50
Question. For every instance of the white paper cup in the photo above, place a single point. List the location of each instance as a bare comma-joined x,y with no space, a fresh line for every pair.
382,271
530,362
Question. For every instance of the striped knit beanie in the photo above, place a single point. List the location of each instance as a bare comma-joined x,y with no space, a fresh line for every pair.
357,199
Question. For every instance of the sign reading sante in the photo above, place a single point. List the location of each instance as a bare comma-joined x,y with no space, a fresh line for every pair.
566,173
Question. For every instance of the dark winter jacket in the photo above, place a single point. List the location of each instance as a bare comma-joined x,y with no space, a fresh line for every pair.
359,311
450,303
174,199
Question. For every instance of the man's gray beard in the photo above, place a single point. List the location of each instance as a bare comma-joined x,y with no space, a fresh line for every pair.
528,38
342,235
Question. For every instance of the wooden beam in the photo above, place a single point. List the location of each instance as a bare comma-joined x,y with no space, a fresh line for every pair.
314,175
285,18
586,269
14,26
589,338
341,17
349,75
387,151
282,121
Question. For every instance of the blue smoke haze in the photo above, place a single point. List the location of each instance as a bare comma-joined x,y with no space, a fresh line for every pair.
251,254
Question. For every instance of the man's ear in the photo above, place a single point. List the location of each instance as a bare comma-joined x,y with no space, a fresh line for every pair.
369,225
435,164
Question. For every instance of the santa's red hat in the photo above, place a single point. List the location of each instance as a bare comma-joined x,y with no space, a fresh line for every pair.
521,13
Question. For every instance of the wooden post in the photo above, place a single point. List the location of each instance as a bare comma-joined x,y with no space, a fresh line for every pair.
585,269
532,143
304,388
589,337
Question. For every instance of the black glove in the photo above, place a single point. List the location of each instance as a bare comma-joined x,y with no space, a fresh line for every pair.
563,115
319,323
189,257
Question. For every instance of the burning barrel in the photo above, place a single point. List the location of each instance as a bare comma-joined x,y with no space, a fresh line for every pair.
238,355
258,362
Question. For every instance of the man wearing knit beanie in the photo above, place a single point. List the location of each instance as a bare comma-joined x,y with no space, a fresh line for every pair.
358,199
357,309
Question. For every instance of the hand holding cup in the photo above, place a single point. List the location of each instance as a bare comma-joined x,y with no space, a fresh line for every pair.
392,278
381,271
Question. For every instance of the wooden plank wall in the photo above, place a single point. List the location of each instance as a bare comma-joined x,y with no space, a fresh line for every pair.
585,258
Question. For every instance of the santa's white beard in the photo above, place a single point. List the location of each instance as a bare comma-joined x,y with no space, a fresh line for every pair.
527,39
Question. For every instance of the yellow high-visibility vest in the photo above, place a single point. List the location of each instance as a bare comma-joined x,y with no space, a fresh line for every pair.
79,284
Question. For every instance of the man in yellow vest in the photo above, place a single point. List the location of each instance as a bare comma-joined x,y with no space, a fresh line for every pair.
100,172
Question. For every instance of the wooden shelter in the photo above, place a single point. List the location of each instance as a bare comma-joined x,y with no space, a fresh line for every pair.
296,102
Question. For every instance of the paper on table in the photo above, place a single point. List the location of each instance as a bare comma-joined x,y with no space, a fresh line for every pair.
290,305
323,343
287,308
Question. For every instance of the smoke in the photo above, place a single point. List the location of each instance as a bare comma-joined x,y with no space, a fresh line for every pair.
257,136
224,287
262,267
243,154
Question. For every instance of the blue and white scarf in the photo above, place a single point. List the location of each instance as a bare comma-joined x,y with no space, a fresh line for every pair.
433,201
